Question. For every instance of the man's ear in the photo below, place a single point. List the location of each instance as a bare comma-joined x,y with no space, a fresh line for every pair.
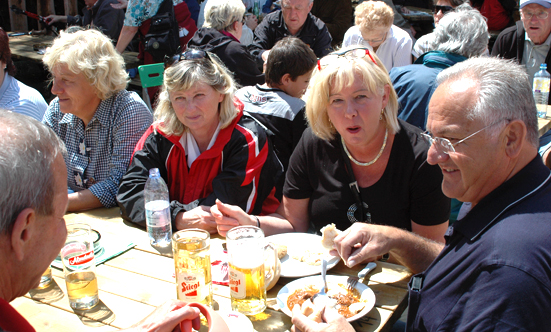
23,229
515,134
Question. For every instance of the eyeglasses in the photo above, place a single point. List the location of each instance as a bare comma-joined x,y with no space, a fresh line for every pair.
376,40
542,15
444,144
444,9
192,54
356,53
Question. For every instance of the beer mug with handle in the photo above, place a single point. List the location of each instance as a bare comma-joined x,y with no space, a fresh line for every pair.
79,266
248,256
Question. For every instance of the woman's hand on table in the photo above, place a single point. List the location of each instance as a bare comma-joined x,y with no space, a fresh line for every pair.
229,216
332,322
167,318
200,217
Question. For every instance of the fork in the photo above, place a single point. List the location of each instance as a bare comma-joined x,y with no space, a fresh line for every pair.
323,290
351,282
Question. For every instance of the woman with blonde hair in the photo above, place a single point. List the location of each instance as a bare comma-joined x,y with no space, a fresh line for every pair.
374,30
204,147
99,121
220,35
356,162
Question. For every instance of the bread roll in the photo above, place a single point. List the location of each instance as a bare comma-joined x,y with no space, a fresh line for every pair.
328,235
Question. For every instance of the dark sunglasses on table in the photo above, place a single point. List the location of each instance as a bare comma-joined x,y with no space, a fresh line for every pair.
444,9
192,54
356,53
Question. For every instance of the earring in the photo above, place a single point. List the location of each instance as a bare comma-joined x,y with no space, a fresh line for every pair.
381,117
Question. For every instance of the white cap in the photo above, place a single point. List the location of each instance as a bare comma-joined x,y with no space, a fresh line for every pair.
544,3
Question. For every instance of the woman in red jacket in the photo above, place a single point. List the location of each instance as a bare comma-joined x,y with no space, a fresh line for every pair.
204,147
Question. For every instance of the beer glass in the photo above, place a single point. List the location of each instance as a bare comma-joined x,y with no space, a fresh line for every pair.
79,267
247,253
191,249
45,279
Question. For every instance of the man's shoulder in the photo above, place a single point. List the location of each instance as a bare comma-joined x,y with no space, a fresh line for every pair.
314,21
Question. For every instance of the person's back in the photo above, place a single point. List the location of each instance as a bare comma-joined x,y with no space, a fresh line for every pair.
277,104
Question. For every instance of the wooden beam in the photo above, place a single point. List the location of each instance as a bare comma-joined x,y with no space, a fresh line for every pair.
71,7
18,21
45,8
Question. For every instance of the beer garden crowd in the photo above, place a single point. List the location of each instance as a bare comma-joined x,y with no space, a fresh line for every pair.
436,165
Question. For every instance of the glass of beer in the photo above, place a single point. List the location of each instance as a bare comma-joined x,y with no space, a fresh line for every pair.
46,278
247,252
79,266
191,251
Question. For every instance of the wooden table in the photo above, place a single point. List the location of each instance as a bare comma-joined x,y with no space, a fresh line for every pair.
22,47
544,124
134,283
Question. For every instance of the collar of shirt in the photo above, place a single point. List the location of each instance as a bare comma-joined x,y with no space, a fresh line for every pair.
101,114
283,25
490,208
191,148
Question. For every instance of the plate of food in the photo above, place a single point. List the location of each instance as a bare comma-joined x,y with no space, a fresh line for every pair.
304,253
352,304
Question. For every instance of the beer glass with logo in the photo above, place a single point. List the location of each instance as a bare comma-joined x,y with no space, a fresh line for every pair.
191,249
79,267
247,253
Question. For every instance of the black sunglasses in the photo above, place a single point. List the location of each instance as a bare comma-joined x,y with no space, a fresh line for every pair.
444,9
192,54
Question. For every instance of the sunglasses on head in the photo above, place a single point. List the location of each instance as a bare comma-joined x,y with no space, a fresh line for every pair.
356,53
191,54
444,9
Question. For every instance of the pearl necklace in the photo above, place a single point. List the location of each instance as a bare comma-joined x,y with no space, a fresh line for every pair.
370,162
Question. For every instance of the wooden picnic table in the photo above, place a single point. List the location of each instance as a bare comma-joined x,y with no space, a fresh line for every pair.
22,47
132,284
544,124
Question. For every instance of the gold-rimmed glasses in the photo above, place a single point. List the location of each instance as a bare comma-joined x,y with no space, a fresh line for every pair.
355,53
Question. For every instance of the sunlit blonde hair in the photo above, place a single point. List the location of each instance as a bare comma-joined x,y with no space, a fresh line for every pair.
184,75
372,15
220,14
339,74
92,53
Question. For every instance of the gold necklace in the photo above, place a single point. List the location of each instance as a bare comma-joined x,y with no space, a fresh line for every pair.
370,162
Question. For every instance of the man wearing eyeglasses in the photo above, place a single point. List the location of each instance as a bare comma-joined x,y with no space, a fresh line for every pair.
494,272
528,41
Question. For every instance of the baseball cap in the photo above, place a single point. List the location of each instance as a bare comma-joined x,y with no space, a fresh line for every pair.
544,3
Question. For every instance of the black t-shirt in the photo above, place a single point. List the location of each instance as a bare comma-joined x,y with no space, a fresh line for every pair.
410,188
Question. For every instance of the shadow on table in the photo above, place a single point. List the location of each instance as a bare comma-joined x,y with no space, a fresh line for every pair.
49,294
98,316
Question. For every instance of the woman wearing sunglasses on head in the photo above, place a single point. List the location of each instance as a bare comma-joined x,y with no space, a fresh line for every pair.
441,7
204,147
374,30
356,161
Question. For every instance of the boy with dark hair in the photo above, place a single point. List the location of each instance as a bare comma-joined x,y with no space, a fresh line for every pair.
277,104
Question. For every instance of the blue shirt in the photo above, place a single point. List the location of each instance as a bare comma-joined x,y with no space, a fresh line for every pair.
494,274
20,98
99,154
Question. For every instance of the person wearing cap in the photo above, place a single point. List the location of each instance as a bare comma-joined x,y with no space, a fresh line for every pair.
528,41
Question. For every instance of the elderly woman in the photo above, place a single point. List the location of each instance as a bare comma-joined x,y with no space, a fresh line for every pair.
374,30
99,121
357,161
204,147
441,7
220,34
14,95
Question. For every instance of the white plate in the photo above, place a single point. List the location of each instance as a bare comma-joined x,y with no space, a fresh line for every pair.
367,294
300,242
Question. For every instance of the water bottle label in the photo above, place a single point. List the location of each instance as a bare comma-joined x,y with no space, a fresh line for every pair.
157,213
541,85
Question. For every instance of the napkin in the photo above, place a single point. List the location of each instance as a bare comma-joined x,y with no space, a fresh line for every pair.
220,268
112,245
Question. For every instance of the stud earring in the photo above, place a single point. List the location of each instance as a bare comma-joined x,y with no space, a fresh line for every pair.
381,117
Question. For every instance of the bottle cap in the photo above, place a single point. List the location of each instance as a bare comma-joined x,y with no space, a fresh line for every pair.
154,173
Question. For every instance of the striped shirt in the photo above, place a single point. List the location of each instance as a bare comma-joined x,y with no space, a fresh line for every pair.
99,153
20,98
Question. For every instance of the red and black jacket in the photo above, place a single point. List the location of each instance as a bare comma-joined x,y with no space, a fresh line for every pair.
241,168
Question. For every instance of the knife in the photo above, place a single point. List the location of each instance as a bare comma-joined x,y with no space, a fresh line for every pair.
368,268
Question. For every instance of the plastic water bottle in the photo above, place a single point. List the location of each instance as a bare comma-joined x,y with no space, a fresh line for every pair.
541,90
256,8
157,210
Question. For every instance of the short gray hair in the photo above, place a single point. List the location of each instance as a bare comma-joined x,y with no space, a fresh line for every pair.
28,149
504,92
220,14
462,32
